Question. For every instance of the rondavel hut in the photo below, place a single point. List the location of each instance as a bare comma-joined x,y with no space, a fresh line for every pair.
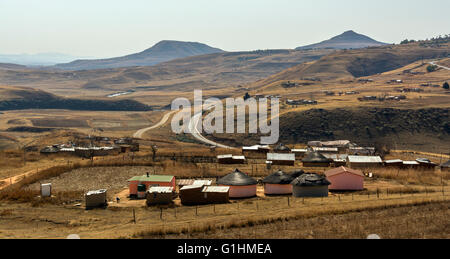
278,183
310,185
315,159
241,185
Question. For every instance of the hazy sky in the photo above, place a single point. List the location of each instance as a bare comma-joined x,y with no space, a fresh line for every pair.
107,28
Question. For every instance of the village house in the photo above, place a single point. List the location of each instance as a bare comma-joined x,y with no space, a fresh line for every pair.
315,159
241,185
148,181
281,158
230,159
345,179
364,161
278,183
160,195
96,199
310,185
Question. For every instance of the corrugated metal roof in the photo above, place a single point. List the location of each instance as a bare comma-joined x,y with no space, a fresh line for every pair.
364,159
152,178
160,189
224,156
336,157
239,157
393,161
216,189
299,150
96,192
325,149
187,187
280,157
410,162
343,169
202,182
185,181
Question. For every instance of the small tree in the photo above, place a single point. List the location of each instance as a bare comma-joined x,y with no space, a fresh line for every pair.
445,86
431,68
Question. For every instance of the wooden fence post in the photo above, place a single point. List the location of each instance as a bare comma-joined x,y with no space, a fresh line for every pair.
134,216
161,214
289,205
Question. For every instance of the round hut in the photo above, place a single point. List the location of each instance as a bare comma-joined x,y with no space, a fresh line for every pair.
310,185
278,183
241,185
281,148
315,159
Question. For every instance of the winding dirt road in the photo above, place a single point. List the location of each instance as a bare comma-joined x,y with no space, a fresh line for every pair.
139,133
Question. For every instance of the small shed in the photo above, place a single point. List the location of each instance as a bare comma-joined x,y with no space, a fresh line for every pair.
345,179
278,183
315,159
364,161
310,185
425,163
338,159
198,194
393,163
160,195
410,164
281,158
150,180
299,152
445,167
255,151
230,159
46,189
216,194
241,185
281,148
96,199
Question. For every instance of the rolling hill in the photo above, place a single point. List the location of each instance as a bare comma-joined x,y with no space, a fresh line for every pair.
350,64
347,40
19,98
211,71
162,51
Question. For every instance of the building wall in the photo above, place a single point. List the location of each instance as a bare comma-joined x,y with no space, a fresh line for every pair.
346,181
242,191
364,165
282,162
95,200
159,198
310,191
277,188
309,164
133,185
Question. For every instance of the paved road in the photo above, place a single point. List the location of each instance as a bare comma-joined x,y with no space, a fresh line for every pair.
434,63
193,129
139,133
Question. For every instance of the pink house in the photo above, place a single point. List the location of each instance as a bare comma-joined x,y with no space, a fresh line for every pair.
241,185
345,179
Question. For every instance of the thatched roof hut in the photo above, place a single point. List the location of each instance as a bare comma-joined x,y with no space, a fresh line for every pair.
278,183
310,185
241,185
315,159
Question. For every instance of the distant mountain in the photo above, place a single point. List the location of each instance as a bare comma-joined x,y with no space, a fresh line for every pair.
163,51
40,59
347,40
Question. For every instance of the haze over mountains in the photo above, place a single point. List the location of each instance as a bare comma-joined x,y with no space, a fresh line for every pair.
347,40
162,51
40,59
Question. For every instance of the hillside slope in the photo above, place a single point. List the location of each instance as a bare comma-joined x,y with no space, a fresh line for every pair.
162,51
19,98
217,70
348,64
346,40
